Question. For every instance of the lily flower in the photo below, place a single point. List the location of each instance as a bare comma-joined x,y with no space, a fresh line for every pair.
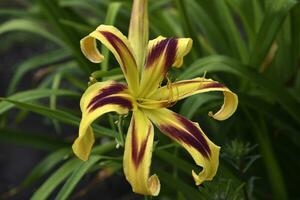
145,65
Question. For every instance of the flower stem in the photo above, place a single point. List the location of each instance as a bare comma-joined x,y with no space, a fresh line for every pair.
120,136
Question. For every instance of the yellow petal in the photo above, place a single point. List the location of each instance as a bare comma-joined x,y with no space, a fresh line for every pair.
191,137
139,30
162,54
182,89
118,44
137,155
99,98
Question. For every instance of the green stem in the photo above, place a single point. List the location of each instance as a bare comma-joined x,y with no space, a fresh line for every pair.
147,197
120,137
272,167
53,99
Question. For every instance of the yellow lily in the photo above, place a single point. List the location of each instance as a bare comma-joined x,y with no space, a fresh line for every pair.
144,67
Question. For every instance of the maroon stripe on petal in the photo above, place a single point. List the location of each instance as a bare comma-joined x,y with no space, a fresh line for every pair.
104,92
194,131
213,85
134,145
123,102
137,154
116,42
170,53
168,47
185,137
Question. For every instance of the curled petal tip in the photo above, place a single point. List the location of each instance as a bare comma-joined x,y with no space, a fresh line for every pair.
83,145
154,185
89,49
210,166
229,106
183,49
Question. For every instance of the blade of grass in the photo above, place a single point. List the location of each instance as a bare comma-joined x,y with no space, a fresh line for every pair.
39,141
40,170
83,169
34,95
269,30
53,99
70,36
232,34
201,18
29,26
189,191
197,101
271,164
111,15
77,174
55,179
49,58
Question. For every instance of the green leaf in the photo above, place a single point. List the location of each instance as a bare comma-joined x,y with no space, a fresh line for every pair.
269,30
84,28
102,74
113,10
197,101
178,185
271,164
231,32
85,6
48,58
55,179
181,164
73,180
33,95
39,141
204,19
13,12
53,99
69,35
29,26
45,166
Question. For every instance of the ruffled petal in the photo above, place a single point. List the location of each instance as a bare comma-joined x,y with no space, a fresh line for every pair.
98,99
191,137
162,54
174,92
118,44
137,155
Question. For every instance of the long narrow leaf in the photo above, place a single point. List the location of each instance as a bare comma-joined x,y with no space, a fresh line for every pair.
33,95
29,26
55,179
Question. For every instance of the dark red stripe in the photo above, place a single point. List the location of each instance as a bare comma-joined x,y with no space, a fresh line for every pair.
170,53
121,101
185,137
116,42
138,154
168,45
194,130
104,92
214,85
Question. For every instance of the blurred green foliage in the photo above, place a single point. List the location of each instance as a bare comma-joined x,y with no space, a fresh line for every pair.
253,46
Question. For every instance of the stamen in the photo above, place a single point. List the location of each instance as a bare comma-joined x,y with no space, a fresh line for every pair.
204,74
172,100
